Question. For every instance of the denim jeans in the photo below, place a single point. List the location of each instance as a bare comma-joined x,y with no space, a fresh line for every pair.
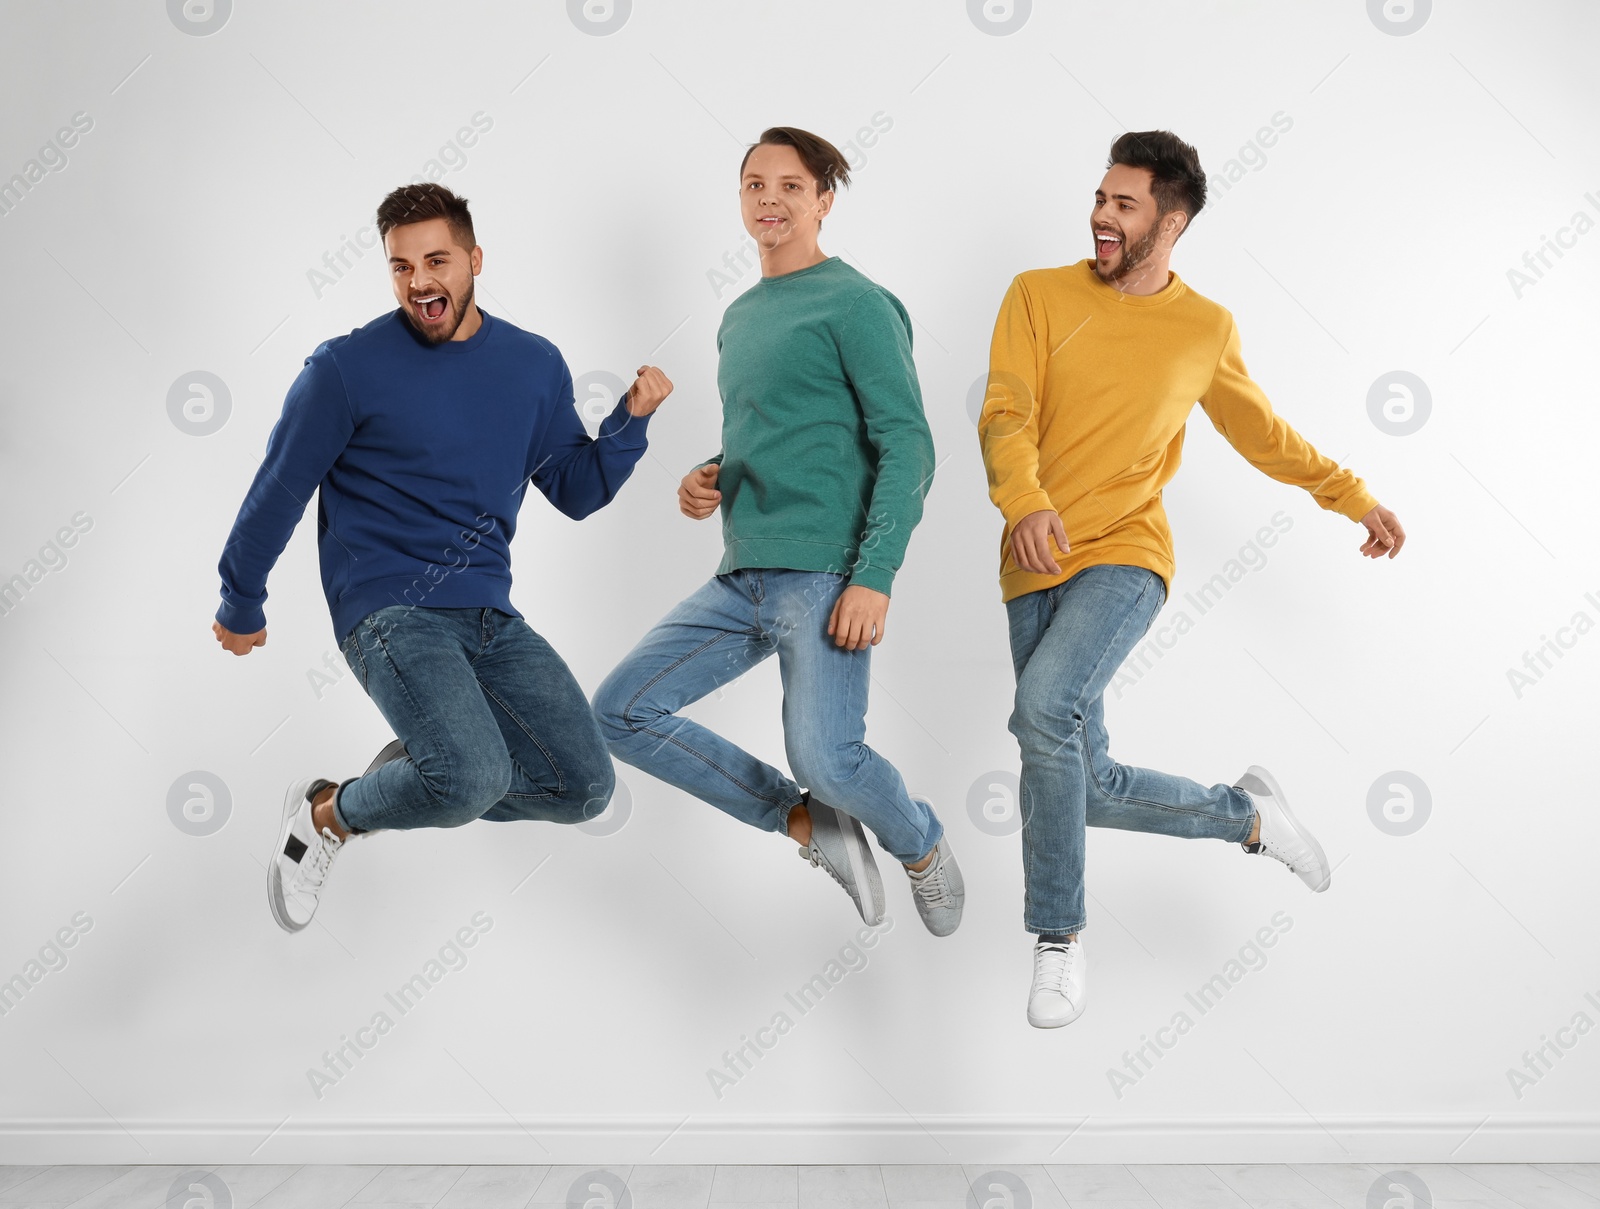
1066,644
494,725
713,637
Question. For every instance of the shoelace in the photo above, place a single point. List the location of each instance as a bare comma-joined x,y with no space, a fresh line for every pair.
1050,968
1278,852
314,870
932,886
813,854
1268,847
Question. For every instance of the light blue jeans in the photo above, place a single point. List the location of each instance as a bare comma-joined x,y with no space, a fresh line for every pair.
715,636
1066,644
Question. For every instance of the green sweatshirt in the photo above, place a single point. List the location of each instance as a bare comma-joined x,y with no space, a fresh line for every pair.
826,454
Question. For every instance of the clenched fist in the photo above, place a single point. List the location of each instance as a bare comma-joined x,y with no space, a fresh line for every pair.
648,390
238,644
698,496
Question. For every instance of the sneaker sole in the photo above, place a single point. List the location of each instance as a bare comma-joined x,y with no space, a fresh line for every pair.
1271,782
291,806
863,869
1055,1023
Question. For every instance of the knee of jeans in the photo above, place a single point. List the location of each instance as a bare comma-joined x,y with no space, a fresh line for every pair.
616,718
1041,724
593,785
468,787
828,770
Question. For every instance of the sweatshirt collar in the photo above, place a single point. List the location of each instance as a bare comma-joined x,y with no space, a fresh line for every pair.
797,273
1173,289
454,348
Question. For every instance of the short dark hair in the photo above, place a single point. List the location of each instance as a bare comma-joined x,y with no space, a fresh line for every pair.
821,158
419,203
1177,182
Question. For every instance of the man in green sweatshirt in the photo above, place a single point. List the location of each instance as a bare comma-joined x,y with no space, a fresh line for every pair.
826,457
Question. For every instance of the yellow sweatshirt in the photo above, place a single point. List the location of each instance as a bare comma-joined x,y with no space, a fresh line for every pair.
1088,392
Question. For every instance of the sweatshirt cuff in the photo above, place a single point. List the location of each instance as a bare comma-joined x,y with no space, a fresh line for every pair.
1358,505
625,428
1026,505
241,619
877,578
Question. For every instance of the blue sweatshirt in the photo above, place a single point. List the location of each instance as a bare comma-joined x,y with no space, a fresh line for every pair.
422,454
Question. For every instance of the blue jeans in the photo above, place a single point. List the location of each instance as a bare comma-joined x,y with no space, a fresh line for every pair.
494,725
1066,644
716,635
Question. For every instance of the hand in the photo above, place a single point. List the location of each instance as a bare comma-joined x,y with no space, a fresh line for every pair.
857,619
648,390
698,496
1030,542
238,644
1384,534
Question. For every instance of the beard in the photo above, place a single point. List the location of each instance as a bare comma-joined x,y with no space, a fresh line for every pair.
438,333
1134,257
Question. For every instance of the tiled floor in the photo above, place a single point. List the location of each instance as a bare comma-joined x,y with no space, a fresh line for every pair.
1218,1186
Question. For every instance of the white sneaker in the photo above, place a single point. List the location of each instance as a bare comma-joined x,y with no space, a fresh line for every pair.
301,860
1282,836
1060,978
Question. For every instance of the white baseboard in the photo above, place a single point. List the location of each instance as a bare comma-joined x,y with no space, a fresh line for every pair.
814,1139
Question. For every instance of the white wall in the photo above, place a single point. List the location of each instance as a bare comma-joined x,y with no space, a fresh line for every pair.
1375,234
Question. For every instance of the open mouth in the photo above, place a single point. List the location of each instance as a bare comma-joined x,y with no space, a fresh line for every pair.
432,307
1106,245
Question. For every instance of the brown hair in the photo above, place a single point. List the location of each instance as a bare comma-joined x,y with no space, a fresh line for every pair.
821,158
419,203
1177,183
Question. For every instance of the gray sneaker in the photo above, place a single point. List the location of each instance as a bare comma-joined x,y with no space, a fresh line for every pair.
938,890
839,847
394,750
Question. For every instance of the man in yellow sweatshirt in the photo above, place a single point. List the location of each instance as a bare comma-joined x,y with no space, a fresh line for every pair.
1093,371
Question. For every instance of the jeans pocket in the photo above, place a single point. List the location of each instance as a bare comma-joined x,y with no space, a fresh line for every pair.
350,648
1157,588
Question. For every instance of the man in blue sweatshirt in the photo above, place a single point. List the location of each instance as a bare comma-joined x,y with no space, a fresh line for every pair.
420,432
